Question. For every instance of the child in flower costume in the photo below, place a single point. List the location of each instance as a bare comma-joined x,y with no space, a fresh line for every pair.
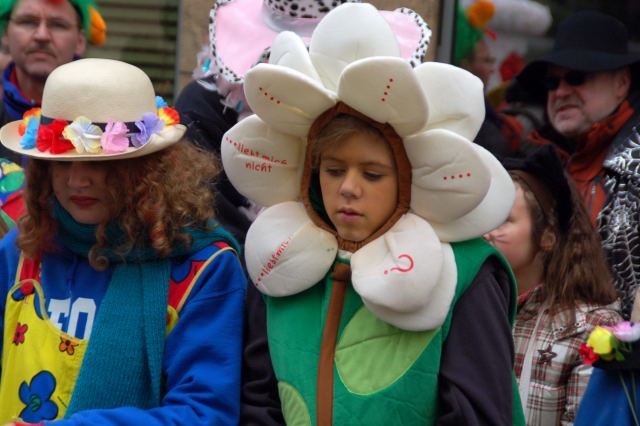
362,323
122,297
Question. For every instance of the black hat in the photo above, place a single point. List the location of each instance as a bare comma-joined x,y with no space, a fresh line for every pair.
543,172
587,41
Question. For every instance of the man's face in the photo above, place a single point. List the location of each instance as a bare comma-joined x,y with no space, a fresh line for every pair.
576,104
483,62
42,35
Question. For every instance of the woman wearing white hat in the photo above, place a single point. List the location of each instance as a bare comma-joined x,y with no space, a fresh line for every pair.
123,298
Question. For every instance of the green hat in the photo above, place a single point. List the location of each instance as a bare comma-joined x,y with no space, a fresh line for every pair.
470,27
92,23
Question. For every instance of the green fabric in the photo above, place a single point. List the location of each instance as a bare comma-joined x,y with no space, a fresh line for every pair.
466,37
6,7
396,351
296,413
123,362
402,377
6,219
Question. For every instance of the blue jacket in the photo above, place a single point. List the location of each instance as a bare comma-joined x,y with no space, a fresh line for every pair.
202,356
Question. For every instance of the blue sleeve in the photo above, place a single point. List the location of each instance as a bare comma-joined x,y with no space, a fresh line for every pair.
202,358
9,256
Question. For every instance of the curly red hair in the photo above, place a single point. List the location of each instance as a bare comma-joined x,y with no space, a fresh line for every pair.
153,198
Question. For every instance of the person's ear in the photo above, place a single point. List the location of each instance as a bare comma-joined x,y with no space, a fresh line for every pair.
547,240
623,82
81,43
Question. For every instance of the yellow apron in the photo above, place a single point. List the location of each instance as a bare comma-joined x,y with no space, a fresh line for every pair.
40,363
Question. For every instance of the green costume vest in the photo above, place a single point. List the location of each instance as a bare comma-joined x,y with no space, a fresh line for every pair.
382,374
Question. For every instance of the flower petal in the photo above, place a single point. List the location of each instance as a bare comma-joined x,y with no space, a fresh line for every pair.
280,233
262,163
387,90
490,213
626,331
412,296
289,50
31,133
455,98
84,135
113,140
449,178
332,48
149,125
285,98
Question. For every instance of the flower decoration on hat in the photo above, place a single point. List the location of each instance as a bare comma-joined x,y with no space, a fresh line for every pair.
457,190
85,137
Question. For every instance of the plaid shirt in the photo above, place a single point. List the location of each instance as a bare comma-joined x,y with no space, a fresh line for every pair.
558,376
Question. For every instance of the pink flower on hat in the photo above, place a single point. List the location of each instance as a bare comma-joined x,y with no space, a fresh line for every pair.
113,139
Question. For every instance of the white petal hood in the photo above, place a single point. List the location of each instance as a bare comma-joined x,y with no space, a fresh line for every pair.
454,190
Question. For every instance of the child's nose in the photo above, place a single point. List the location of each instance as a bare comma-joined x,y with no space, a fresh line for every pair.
350,187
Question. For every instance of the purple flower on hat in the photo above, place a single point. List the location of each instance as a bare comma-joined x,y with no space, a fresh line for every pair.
113,139
149,125
31,133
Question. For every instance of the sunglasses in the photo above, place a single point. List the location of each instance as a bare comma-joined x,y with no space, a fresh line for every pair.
572,78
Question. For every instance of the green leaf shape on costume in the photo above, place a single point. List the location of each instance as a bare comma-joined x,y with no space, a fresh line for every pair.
11,182
294,409
372,354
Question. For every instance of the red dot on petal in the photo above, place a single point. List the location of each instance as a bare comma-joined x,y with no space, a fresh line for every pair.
382,100
388,87
386,93
278,102
444,178
391,80
468,174
460,176
453,177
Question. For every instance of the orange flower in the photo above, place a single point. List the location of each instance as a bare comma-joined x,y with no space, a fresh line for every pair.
33,112
169,115
67,345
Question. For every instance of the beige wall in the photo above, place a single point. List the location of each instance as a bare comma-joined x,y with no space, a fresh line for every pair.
195,21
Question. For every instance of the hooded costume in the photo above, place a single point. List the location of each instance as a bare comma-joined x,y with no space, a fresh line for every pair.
359,327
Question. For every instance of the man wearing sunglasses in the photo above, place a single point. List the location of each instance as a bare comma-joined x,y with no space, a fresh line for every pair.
589,84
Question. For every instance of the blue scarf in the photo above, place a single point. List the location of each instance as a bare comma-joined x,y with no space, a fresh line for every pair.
123,362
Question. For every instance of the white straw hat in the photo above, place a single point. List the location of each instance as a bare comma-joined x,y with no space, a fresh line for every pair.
95,109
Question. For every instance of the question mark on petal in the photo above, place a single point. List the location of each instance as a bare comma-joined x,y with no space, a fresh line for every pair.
407,269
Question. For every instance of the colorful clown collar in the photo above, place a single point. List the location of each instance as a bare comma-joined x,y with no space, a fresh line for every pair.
60,136
406,276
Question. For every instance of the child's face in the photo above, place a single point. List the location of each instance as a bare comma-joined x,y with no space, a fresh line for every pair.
359,184
514,238
81,188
